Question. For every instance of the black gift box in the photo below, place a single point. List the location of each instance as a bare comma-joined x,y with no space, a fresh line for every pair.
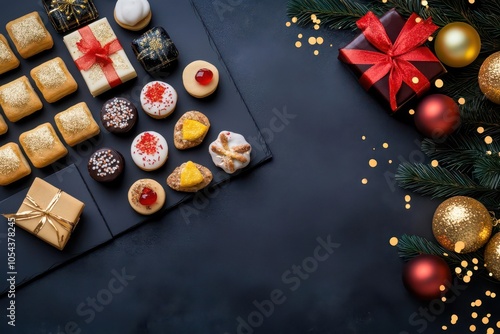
66,15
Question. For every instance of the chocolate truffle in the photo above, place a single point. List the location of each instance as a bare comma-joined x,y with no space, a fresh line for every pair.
118,115
106,165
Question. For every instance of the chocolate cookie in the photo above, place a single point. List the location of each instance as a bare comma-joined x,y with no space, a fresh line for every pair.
106,165
118,115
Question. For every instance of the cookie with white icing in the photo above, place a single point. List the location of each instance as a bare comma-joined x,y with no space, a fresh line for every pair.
230,151
149,150
132,15
158,99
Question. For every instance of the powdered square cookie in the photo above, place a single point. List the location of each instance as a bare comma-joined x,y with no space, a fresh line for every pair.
13,164
76,124
42,145
54,80
8,61
18,99
3,126
29,35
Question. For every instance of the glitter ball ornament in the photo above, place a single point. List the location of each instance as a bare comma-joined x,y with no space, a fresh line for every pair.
437,116
427,276
489,78
492,256
462,224
457,44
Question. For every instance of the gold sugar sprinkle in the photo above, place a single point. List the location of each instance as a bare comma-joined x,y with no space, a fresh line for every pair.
74,120
461,101
372,163
9,161
95,73
15,94
5,54
51,75
39,140
28,31
488,140
439,83
434,163
393,241
364,181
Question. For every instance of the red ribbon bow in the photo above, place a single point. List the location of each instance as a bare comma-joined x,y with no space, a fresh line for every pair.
394,58
95,53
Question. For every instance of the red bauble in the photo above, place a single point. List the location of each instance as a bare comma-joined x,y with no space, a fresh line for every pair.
425,275
437,116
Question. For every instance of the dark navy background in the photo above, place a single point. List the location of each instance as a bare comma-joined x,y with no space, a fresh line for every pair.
299,245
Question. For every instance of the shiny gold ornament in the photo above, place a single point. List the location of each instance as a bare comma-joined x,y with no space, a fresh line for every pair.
457,44
492,256
462,224
489,77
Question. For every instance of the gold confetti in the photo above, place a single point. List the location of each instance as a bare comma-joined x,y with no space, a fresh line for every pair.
364,181
490,331
472,1
442,287
313,17
459,246
418,19
393,241
478,302
480,130
434,163
385,145
461,101
288,24
488,140
320,40
316,52
415,80
464,263
411,112
294,20
298,44
424,3
312,40
485,320
444,328
390,161
408,206
316,27
458,270
439,83
443,299
474,315
475,261
407,198
372,163
493,295
454,319
430,39
488,293
466,279
363,137
300,35
472,328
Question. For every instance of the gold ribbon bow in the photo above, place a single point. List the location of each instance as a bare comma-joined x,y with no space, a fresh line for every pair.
69,8
46,216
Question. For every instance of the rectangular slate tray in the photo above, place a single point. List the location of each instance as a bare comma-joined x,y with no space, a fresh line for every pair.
225,109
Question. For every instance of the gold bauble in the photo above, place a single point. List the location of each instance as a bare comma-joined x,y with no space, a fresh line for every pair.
462,224
492,256
457,44
489,77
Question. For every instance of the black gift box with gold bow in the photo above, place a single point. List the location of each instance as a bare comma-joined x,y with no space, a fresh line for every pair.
66,15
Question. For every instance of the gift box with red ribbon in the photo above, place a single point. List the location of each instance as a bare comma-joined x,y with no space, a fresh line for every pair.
389,58
99,56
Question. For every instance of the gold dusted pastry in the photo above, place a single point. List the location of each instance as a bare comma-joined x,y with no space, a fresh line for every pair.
42,145
54,80
8,61
18,99
76,124
13,164
3,126
189,177
29,35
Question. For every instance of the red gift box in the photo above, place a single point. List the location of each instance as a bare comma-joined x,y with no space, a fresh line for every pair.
389,59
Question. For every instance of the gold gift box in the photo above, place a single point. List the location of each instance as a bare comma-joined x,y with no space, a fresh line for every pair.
49,213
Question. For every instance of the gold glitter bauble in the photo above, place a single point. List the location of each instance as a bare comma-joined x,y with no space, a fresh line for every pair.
462,224
492,256
489,77
457,44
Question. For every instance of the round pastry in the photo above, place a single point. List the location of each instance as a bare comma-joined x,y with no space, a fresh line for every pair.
146,196
189,177
105,165
200,78
158,99
149,150
132,14
190,130
118,115
230,151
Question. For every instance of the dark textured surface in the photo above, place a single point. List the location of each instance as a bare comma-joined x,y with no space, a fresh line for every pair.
203,266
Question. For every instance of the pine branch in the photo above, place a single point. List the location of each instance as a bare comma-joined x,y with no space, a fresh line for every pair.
479,112
487,171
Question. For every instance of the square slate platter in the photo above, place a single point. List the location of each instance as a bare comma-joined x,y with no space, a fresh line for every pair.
225,109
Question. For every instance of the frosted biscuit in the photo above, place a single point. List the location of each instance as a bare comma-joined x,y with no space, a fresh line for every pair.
149,150
200,78
42,145
118,115
18,99
106,165
133,15
29,35
146,196
76,124
13,164
190,130
8,61
230,151
3,126
189,177
54,80
158,99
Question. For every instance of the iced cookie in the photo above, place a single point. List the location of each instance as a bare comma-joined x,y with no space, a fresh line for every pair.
13,164
3,126
76,124
146,196
54,80
42,145
8,61
149,150
29,35
230,151
105,165
190,130
18,99
132,14
158,99
189,177
200,78
118,115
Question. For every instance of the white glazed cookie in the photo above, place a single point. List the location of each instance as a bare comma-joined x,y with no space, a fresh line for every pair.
158,99
149,150
132,14
230,151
